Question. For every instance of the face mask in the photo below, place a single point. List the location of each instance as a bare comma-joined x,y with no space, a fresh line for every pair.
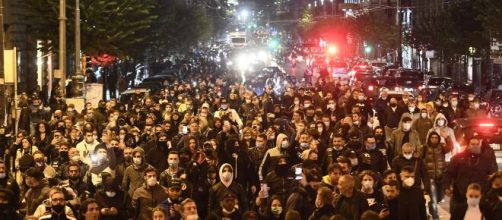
306,105
58,208
371,147
173,164
192,217
64,154
368,184
128,159
75,158
226,176
384,97
151,182
304,145
473,201
361,98
393,105
297,102
356,122
409,182
277,210
408,156
406,126
331,106
476,105
405,100
379,136
440,123
454,103
248,101
470,98
319,130
39,164
110,194
412,109
2,175
475,150
224,106
122,137
285,144
136,161
353,162
423,115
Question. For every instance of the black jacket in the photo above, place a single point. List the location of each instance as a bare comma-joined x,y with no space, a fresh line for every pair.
325,212
459,211
351,208
218,191
411,204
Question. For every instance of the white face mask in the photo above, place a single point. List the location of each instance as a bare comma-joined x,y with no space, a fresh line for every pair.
412,109
226,176
331,106
454,103
354,162
409,182
306,105
136,161
473,201
408,156
368,184
75,158
152,181
192,217
2,175
423,114
110,194
277,210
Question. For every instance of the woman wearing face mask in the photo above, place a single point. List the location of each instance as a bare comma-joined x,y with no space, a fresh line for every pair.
111,200
493,197
474,208
273,210
368,180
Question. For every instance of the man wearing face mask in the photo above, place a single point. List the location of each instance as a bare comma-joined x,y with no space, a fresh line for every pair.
227,185
278,180
473,165
148,196
75,184
202,186
39,159
158,154
446,133
454,110
404,134
422,125
391,117
174,171
227,209
225,110
282,147
62,156
86,147
38,191
112,200
55,207
134,173
336,150
378,163
407,158
411,199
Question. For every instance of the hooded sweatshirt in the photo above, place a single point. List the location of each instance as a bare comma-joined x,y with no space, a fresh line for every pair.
133,174
396,138
446,133
271,157
218,191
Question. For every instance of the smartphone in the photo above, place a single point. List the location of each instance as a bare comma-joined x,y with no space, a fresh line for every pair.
264,187
185,129
298,173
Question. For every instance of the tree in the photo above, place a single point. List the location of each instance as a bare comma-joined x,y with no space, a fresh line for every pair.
178,28
115,27
491,14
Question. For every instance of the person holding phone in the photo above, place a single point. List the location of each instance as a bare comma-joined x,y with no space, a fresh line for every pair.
54,207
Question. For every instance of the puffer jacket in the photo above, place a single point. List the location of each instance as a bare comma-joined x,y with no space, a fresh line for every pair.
434,158
446,134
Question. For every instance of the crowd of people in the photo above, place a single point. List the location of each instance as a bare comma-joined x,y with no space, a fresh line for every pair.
219,151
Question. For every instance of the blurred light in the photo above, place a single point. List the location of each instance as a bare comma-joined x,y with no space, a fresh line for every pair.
244,14
370,88
367,49
486,125
332,50
273,44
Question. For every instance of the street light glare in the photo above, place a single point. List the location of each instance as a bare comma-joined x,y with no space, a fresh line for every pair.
244,14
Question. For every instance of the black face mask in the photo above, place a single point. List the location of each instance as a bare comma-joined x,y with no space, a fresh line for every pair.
118,152
282,170
74,178
128,159
163,144
64,155
380,137
498,191
58,208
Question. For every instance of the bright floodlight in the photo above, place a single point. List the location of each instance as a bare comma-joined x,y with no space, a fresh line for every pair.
244,14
